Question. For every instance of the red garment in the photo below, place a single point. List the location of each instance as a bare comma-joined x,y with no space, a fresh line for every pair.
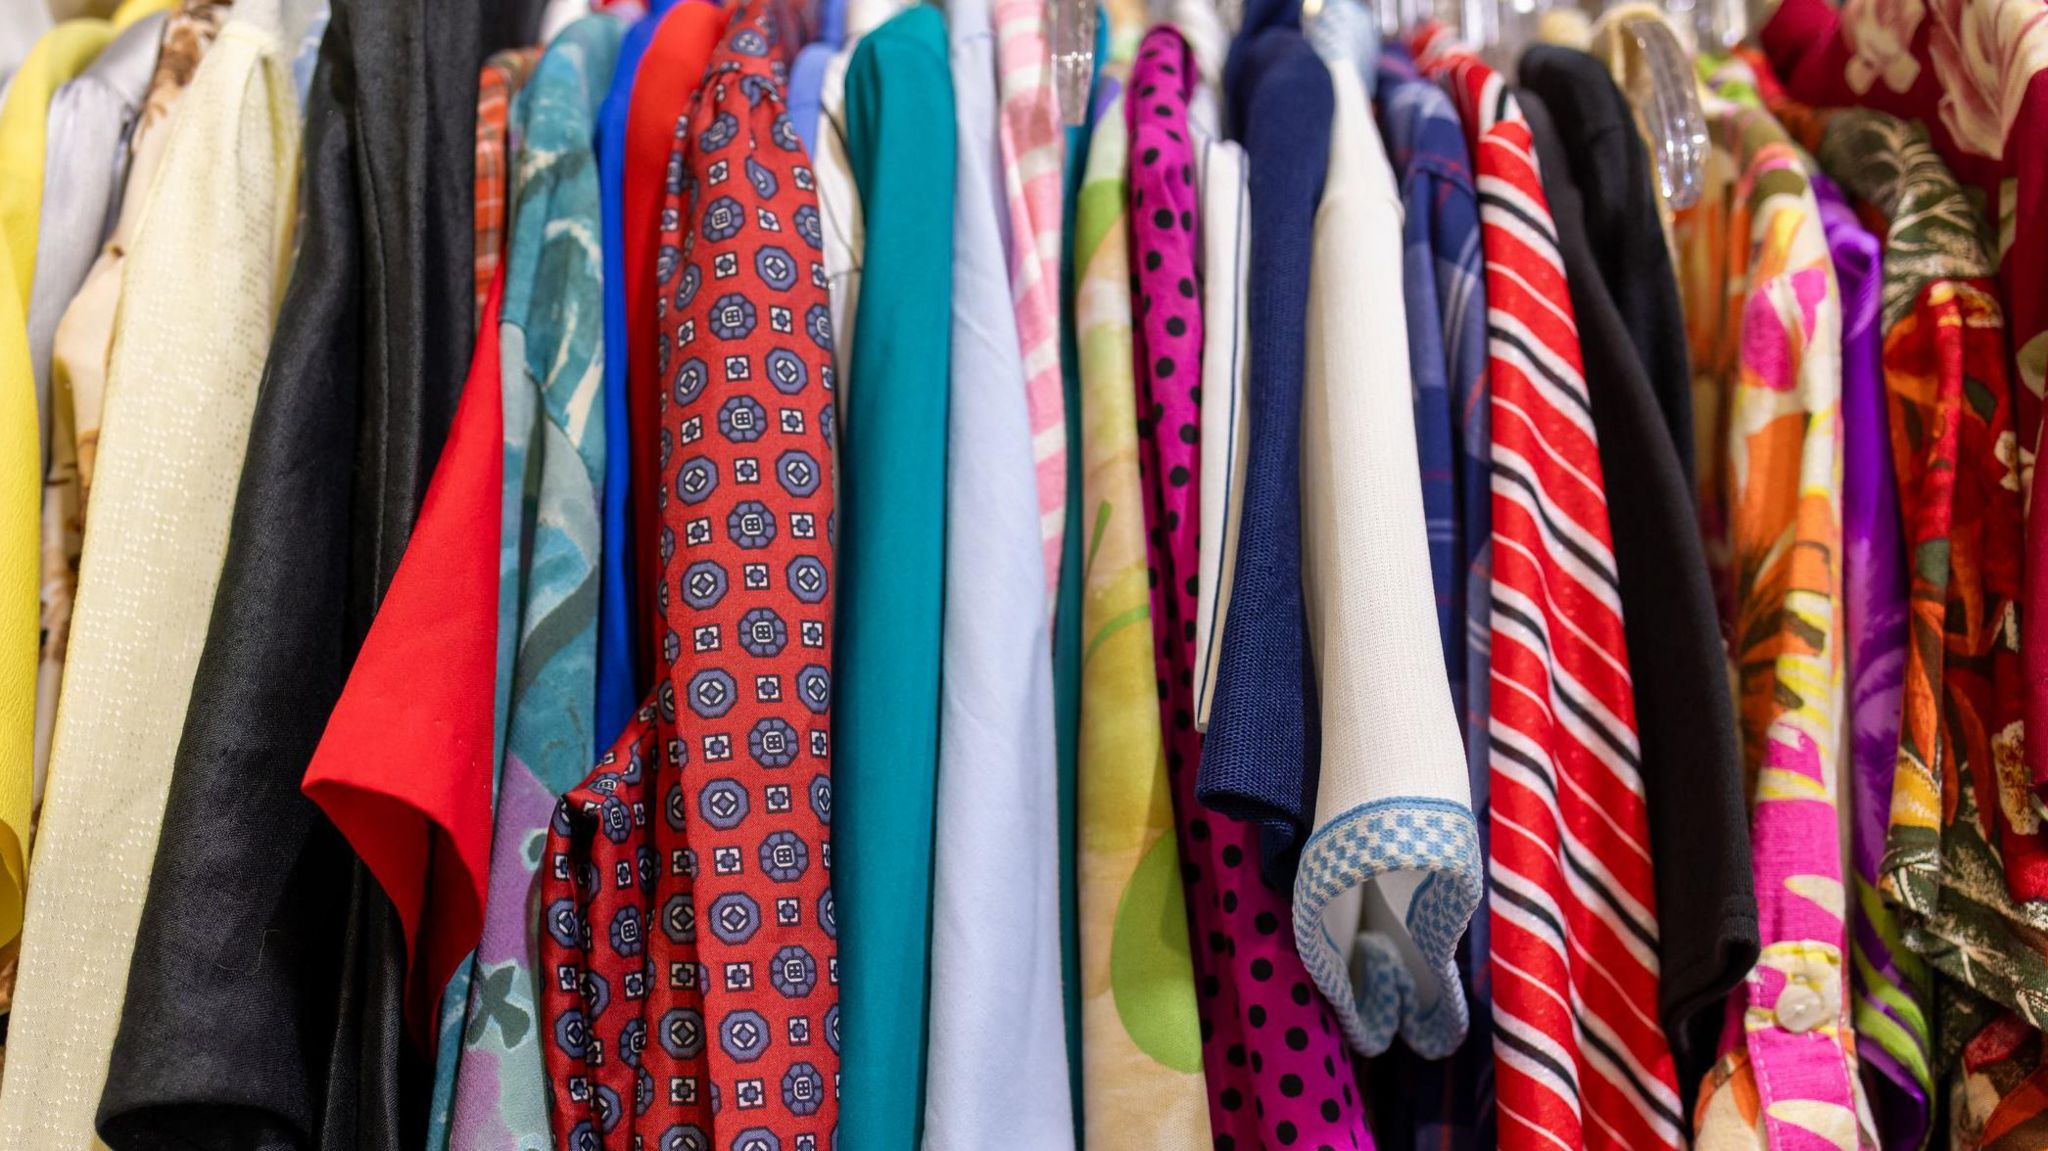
667,81
1579,1060
502,77
689,986
405,767
1976,75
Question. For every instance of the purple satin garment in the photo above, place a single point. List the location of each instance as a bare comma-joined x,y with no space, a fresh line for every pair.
1874,580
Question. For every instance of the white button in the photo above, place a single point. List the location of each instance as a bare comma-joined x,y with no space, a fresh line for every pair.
1800,1009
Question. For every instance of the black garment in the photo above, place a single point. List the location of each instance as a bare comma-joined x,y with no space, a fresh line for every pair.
263,1008
1607,161
1685,719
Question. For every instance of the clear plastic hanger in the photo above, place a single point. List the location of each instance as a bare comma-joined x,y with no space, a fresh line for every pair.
1655,70
1650,61
1073,57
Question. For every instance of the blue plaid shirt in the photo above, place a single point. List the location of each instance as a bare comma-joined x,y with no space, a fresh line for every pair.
1449,1102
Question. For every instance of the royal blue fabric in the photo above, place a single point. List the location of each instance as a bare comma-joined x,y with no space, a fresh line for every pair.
1259,763
619,679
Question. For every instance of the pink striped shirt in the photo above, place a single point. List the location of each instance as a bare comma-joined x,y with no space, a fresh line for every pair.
1034,158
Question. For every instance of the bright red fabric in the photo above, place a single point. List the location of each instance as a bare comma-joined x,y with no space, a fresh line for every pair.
405,768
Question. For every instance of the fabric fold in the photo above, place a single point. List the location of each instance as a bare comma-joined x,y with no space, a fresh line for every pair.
87,144
421,692
58,55
1768,340
1572,899
79,347
264,1002
1975,76
1638,377
1272,1061
996,1014
1893,990
1449,1102
1141,1036
198,297
549,554
1391,872
899,134
1033,161
1964,845
664,86
689,931
626,639
1259,762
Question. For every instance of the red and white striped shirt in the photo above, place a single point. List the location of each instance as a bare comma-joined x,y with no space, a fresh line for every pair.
1580,1060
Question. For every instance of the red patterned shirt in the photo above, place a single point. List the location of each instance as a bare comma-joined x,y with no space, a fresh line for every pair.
690,970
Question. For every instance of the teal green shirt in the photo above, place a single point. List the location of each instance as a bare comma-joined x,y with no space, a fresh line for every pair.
891,538
1066,636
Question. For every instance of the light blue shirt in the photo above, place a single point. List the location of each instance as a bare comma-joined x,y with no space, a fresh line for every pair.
87,129
995,949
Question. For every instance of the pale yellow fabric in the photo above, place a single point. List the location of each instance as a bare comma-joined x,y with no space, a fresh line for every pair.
1141,1041
201,290
67,50
78,364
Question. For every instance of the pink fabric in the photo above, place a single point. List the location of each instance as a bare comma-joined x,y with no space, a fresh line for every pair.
1034,156
1277,1071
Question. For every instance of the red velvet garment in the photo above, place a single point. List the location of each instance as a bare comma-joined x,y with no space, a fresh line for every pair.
405,768
689,969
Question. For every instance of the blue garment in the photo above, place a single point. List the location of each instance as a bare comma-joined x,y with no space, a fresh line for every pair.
1450,1101
1260,761
1446,292
807,74
619,679
995,943
308,53
806,91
